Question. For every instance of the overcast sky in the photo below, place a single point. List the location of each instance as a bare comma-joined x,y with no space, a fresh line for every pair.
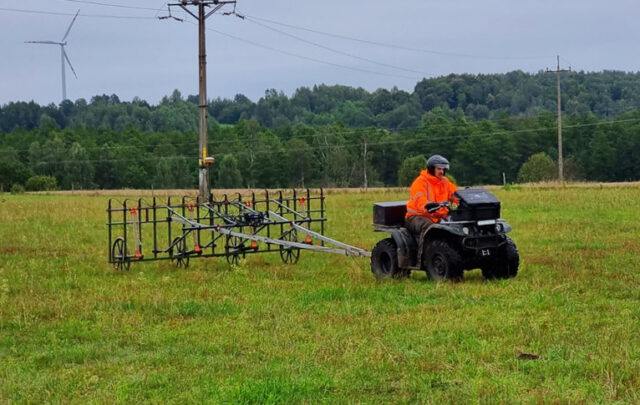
149,58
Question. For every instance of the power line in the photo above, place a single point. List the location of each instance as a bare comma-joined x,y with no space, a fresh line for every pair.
294,150
72,14
335,50
97,3
344,144
360,130
364,129
396,46
310,58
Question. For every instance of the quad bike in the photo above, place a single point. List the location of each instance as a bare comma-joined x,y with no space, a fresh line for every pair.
472,236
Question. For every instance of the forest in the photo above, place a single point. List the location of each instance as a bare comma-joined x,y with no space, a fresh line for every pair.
491,127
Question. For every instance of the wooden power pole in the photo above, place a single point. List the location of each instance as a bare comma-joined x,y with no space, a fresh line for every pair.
364,163
560,162
204,161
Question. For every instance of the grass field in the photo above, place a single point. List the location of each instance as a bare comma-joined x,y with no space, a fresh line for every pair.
72,329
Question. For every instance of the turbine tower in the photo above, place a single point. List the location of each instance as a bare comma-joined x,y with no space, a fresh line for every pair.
63,55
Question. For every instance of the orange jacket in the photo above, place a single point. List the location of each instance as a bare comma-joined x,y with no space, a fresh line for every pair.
428,188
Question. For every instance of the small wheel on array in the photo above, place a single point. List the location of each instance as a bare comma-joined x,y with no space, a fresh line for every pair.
179,254
234,249
288,254
233,259
119,254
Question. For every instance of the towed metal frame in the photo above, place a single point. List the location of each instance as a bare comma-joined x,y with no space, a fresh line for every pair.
230,228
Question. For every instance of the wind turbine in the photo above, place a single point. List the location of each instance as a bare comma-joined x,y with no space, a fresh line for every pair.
63,55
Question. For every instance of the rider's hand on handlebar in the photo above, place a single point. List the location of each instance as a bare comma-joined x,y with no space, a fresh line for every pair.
433,207
430,207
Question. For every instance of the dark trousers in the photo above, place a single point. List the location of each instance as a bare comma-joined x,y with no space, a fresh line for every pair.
418,225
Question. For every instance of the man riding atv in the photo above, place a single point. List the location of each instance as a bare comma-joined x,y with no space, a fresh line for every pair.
443,230
428,190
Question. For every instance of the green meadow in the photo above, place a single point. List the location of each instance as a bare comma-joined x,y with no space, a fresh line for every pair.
565,330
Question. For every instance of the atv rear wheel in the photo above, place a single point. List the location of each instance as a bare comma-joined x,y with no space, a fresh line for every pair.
442,261
505,264
384,260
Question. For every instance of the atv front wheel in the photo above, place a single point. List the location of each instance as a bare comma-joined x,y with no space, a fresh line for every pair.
442,261
505,264
384,260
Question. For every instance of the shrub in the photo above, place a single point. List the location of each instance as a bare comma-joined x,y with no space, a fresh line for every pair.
17,189
410,169
539,167
41,183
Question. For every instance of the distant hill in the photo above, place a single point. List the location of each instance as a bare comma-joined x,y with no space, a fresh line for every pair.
476,97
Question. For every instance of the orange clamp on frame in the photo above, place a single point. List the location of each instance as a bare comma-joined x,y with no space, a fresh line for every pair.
254,245
308,240
197,249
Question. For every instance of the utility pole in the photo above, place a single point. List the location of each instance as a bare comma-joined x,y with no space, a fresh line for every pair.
364,163
560,163
204,161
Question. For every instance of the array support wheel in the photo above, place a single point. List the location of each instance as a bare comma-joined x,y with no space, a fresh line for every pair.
179,254
288,254
234,249
119,254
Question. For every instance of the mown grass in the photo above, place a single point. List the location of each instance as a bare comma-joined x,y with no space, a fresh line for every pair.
72,329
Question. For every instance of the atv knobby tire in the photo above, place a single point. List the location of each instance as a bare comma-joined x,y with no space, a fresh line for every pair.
384,260
505,264
442,261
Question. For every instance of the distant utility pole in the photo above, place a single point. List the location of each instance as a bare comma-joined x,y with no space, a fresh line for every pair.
364,160
560,163
203,159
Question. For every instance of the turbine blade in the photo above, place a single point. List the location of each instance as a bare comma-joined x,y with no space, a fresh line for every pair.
69,29
42,42
69,62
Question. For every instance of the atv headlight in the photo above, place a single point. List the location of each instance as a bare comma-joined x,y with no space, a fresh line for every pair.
499,228
465,230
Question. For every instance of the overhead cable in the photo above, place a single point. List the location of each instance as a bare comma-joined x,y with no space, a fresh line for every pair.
335,50
347,144
400,47
310,58
72,14
97,3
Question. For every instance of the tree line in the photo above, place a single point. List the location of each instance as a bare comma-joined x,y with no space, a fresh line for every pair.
490,126
252,155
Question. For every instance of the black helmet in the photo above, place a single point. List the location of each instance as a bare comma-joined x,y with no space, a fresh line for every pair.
437,161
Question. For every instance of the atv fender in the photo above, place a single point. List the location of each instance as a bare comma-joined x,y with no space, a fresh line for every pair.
439,231
407,247
505,226
438,228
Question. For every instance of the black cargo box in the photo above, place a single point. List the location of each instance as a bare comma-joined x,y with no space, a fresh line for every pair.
389,213
476,204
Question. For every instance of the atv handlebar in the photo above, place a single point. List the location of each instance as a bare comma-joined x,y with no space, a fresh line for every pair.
433,206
